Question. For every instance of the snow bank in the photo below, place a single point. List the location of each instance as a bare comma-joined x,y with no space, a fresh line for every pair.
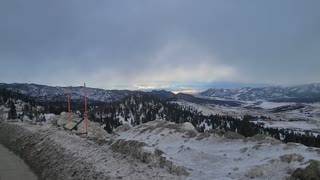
57,154
148,154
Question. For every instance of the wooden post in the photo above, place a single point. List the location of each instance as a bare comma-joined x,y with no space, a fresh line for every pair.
85,108
69,108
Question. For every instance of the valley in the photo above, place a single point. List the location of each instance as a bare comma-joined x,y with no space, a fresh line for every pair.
172,136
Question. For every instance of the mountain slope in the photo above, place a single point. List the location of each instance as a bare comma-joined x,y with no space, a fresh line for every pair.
140,108
300,93
44,93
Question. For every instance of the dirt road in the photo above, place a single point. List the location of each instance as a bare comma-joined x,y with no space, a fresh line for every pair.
12,167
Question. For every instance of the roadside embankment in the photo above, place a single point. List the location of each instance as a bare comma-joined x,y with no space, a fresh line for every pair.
56,154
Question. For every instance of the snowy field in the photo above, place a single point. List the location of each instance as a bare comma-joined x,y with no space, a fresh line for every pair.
209,156
294,125
306,118
272,105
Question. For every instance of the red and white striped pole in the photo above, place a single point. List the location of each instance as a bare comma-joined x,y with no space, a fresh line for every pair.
69,109
85,109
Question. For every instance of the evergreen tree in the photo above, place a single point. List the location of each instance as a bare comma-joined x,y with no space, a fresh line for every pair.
12,113
107,127
247,128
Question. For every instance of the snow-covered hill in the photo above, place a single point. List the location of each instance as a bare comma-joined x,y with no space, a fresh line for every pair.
140,108
300,93
221,156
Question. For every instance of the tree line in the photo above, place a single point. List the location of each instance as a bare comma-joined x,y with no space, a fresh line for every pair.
137,109
141,108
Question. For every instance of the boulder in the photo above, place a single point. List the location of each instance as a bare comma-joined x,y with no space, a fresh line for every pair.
311,172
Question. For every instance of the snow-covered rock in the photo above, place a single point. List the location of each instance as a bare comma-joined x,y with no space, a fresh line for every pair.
123,128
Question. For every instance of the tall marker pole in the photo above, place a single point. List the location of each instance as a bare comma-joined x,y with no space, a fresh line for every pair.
85,108
69,109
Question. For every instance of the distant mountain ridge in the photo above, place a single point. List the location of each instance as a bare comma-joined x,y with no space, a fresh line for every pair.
228,97
45,93
299,93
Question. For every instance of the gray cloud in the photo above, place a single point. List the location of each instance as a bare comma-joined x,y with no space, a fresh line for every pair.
114,44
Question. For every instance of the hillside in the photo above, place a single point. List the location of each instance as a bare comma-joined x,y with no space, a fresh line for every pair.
140,108
96,96
228,155
300,93
44,93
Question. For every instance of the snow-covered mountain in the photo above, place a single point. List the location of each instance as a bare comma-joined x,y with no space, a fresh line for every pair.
300,93
43,93
59,94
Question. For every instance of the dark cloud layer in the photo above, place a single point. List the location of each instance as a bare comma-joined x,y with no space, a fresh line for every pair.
126,44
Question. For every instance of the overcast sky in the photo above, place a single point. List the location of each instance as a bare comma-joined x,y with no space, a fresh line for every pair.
167,44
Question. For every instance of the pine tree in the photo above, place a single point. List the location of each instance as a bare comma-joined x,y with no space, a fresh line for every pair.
107,127
12,113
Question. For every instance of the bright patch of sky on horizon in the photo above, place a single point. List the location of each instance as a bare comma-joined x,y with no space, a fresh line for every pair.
177,45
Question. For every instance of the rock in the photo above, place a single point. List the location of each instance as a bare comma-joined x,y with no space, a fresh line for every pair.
179,170
101,142
123,128
311,172
262,138
191,133
146,154
188,126
178,127
219,132
257,137
233,135
288,158
256,172
203,135
243,150
291,145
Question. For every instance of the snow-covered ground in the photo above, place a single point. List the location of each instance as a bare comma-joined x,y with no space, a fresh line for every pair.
205,110
294,125
306,118
155,150
272,105
209,156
